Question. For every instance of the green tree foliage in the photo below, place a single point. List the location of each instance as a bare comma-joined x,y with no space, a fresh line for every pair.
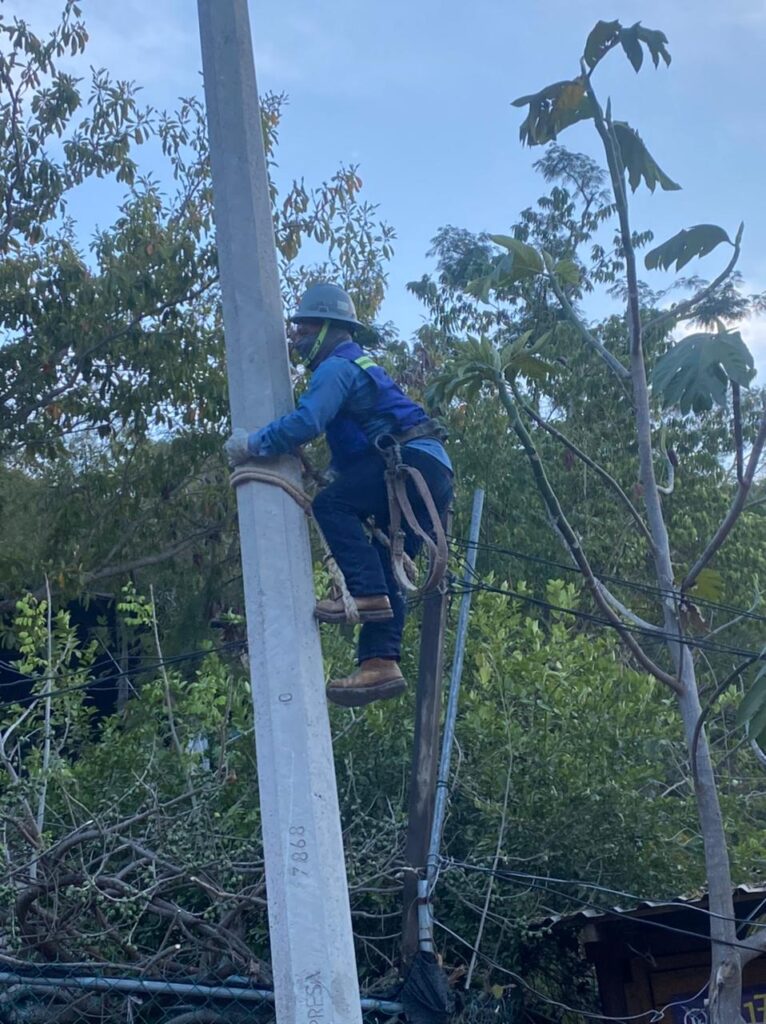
112,373
689,375
150,836
143,828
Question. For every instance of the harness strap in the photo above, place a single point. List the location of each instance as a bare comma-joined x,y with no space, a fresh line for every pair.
431,428
397,476
403,566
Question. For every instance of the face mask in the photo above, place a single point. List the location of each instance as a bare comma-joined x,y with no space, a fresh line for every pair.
308,345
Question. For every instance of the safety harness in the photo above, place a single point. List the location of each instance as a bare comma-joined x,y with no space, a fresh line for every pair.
397,475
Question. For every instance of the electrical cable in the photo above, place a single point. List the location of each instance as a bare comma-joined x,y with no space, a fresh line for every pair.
174,660
643,921
646,588
655,1016
142,664
657,634
526,877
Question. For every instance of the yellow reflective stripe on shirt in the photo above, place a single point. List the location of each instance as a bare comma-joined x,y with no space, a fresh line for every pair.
365,362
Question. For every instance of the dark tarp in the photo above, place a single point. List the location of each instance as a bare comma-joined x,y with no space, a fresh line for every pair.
425,994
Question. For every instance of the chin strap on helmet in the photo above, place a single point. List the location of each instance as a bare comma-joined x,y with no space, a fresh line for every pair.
318,343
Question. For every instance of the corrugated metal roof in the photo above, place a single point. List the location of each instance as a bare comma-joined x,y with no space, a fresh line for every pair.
641,909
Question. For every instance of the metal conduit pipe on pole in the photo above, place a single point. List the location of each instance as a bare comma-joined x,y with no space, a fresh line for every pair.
312,951
425,913
149,986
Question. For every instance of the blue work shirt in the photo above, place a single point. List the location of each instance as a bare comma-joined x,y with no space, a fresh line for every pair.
336,385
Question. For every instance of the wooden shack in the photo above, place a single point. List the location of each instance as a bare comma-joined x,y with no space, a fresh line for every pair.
656,956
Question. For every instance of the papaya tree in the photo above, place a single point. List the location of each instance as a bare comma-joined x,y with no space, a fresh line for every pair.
658,378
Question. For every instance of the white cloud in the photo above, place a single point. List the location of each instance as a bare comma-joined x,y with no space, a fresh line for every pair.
753,332
151,45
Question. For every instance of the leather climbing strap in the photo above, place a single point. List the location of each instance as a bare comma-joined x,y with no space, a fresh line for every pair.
251,472
397,475
403,567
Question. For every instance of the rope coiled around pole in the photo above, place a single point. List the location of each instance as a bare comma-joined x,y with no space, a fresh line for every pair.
397,476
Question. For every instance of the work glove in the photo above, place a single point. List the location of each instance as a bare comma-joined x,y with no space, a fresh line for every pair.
236,448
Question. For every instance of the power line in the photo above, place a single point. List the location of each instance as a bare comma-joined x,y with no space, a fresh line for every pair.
142,664
645,588
96,680
523,876
656,634
654,1015
544,885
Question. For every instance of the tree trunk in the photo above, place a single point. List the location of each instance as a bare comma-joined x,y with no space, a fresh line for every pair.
725,992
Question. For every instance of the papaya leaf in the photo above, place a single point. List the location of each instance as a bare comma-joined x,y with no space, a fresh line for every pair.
632,38
518,263
529,366
754,716
603,36
684,246
709,585
519,357
516,346
756,728
638,161
632,46
477,363
567,272
754,699
525,259
656,42
552,109
695,373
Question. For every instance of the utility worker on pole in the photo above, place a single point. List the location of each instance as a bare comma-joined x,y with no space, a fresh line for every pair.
354,403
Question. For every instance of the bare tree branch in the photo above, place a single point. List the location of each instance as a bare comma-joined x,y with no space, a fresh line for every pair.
611,360
731,517
680,311
669,487
739,444
626,613
718,692
563,526
592,464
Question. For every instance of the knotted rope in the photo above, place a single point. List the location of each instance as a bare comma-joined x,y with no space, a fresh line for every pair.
249,472
397,475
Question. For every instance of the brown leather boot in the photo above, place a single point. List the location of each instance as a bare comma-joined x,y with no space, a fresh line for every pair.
375,679
371,609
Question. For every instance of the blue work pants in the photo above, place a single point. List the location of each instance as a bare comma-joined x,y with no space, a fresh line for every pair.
341,509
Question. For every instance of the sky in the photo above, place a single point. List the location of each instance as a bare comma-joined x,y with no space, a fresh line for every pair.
418,94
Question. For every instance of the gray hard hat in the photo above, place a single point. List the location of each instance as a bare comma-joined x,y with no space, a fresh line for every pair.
326,302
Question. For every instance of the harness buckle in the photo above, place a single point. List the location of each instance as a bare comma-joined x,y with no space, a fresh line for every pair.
389,449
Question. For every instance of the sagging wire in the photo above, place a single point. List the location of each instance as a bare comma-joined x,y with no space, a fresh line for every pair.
98,680
657,633
545,884
646,588
654,1016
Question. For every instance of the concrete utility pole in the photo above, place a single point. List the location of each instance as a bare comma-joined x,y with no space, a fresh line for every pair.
312,950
